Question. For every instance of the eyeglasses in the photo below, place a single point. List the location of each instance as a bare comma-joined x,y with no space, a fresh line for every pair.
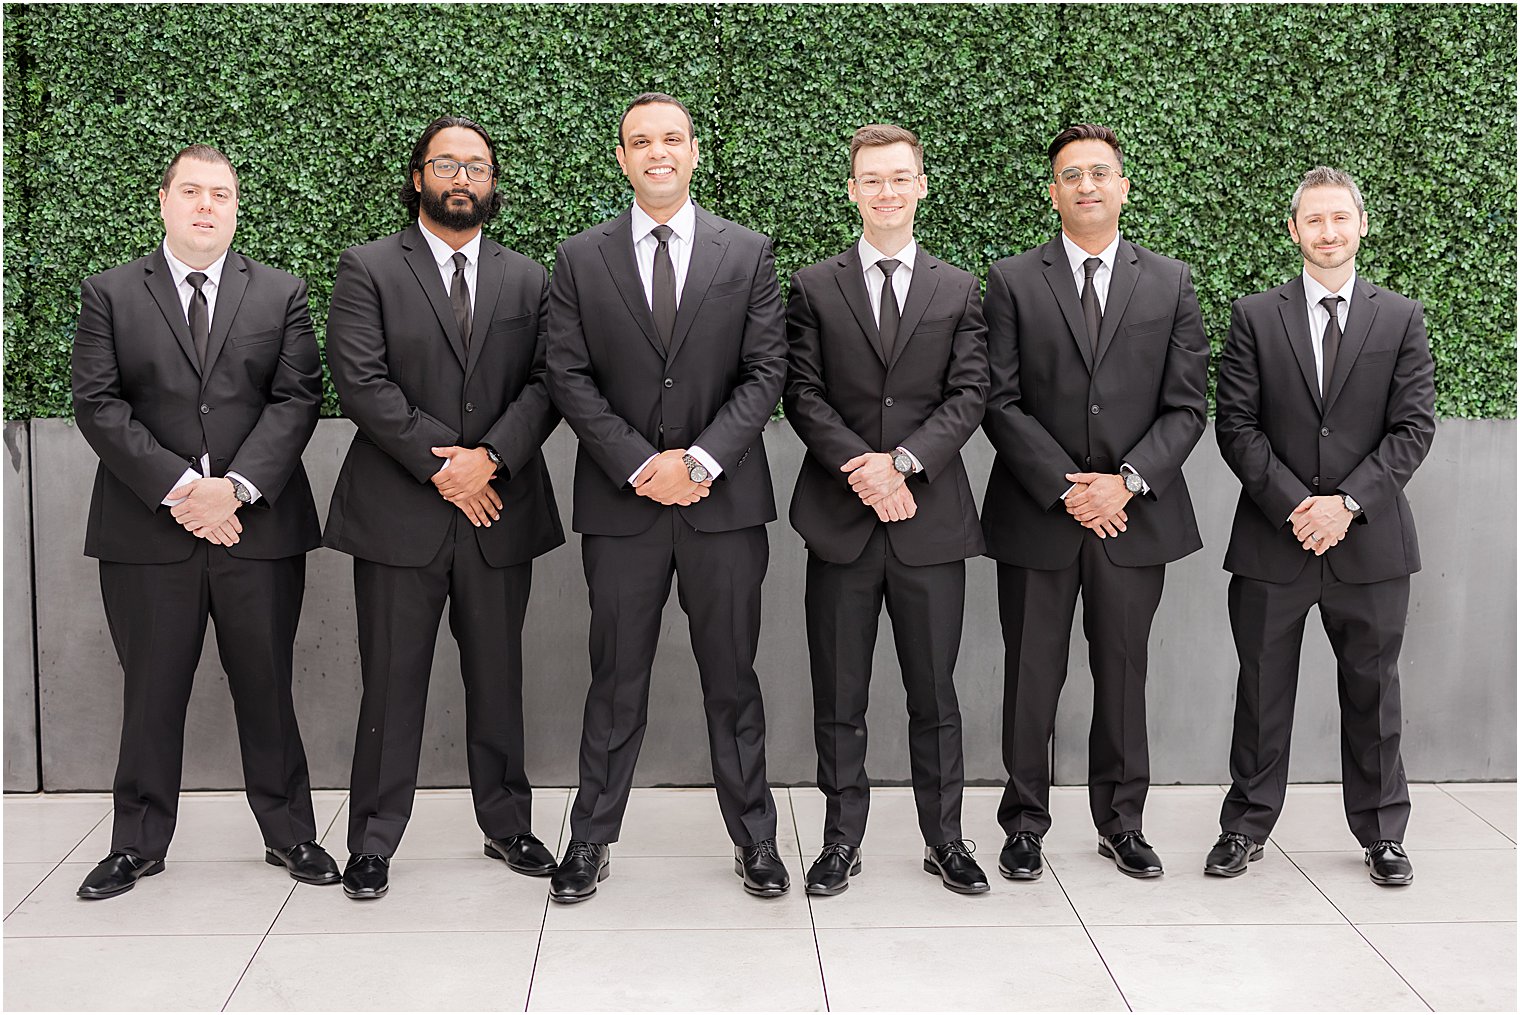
447,169
870,186
1071,176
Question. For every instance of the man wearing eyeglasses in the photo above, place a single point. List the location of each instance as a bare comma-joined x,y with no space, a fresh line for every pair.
1099,374
887,380
435,340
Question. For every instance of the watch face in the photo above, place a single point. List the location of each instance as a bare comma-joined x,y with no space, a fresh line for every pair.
902,463
1132,483
698,473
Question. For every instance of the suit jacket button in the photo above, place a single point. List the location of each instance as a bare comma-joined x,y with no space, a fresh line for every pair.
669,383
1095,410
887,401
1087,461
1324,431
205,408
1316,481
469,407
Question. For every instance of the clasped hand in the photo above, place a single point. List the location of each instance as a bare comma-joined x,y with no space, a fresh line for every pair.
880,486
209,510
1320,522
1097,501
465,482
666,480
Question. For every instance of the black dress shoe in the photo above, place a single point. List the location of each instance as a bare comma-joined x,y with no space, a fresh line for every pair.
584,867
306,861
761,868
367,876
1387,863
115,874
1131,854
956,868
524,853
1020,859
831,872
1230,855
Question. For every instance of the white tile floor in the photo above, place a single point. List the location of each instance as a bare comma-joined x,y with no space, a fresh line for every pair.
1304,929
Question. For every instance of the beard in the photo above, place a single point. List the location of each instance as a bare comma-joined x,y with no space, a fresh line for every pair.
438,208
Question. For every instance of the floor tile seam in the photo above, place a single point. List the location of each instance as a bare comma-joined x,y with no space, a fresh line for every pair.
1124,998
661,930
404,930
258,947
1508,834
1418,849
117,937
823,978
543,922
52,869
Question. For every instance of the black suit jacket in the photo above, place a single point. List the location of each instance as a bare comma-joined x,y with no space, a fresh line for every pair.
405,378
146,407
627,400
1364,438
1056,408
844,398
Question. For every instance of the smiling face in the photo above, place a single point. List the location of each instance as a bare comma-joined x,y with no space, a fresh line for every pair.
1088,210
893,172
657,155
199,209
1328,227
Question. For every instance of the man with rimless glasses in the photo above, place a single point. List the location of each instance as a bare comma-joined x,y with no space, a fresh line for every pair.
435,339
1099,372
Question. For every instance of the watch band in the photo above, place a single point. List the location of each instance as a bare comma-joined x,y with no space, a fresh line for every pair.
695,469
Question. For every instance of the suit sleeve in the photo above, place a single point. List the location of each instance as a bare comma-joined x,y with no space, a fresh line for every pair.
356,353
616,447
762,371
823,431
124,444
1376,481
1183,404
1237,425
270,452
531,417
939,439
1034,457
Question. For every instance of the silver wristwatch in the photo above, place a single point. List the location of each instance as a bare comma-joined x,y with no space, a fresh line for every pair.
695,469
492,455
902,461
1133,483
1351,504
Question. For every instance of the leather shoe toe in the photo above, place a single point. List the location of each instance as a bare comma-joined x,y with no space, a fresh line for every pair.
306,862
525,853
586,864
957,869
1231,852
1388,864
367,876
1020,859
1131,854
831,872
117,873
761,868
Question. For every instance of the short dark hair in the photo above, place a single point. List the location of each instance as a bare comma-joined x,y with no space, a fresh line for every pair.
200,153
652,99
410,195
1085,132
879,135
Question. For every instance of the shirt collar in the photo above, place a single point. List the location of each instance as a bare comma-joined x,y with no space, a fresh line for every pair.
1076,255
179,269
1315,291
869,255
443,254
683,223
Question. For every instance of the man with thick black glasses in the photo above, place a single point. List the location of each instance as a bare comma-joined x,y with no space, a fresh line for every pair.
435,342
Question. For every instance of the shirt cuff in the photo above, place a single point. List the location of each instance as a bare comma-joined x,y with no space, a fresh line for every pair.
1145,487
1068,491
917,465
252,490
641,468
189,476
714,470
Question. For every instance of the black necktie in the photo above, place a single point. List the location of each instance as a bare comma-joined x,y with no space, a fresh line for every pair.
200,316
1092,313
890,315
1331,344
664,287
459,297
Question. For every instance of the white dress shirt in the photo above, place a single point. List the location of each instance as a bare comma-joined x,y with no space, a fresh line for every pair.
179,271
1319,318
683,228
902,278
443,256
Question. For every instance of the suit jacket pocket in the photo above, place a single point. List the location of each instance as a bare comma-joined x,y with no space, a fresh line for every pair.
1145,327
256,338
726,288
511,323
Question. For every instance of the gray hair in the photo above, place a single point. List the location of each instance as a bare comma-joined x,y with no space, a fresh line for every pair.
1324,176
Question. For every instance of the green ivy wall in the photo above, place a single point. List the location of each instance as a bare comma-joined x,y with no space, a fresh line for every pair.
1220,108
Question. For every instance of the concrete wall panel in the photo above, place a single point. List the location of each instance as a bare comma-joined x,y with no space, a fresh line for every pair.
20,622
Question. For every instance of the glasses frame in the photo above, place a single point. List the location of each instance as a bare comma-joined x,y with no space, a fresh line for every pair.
860,186
1073,185
458,165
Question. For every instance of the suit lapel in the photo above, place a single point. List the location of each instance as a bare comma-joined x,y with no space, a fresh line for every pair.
617,252
852,284
1058,277
160,283
920,291
1121,286
708,245
420,257
1359,317
229,296
1295,318
489,273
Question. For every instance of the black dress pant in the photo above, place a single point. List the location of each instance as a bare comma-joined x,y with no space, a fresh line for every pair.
1365,625
926,604
398,611
628,578
157,615
1036,608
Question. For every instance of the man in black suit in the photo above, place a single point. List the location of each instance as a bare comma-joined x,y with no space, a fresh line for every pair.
887,379
196,381
435,339
1099,371
1326,408
667,354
